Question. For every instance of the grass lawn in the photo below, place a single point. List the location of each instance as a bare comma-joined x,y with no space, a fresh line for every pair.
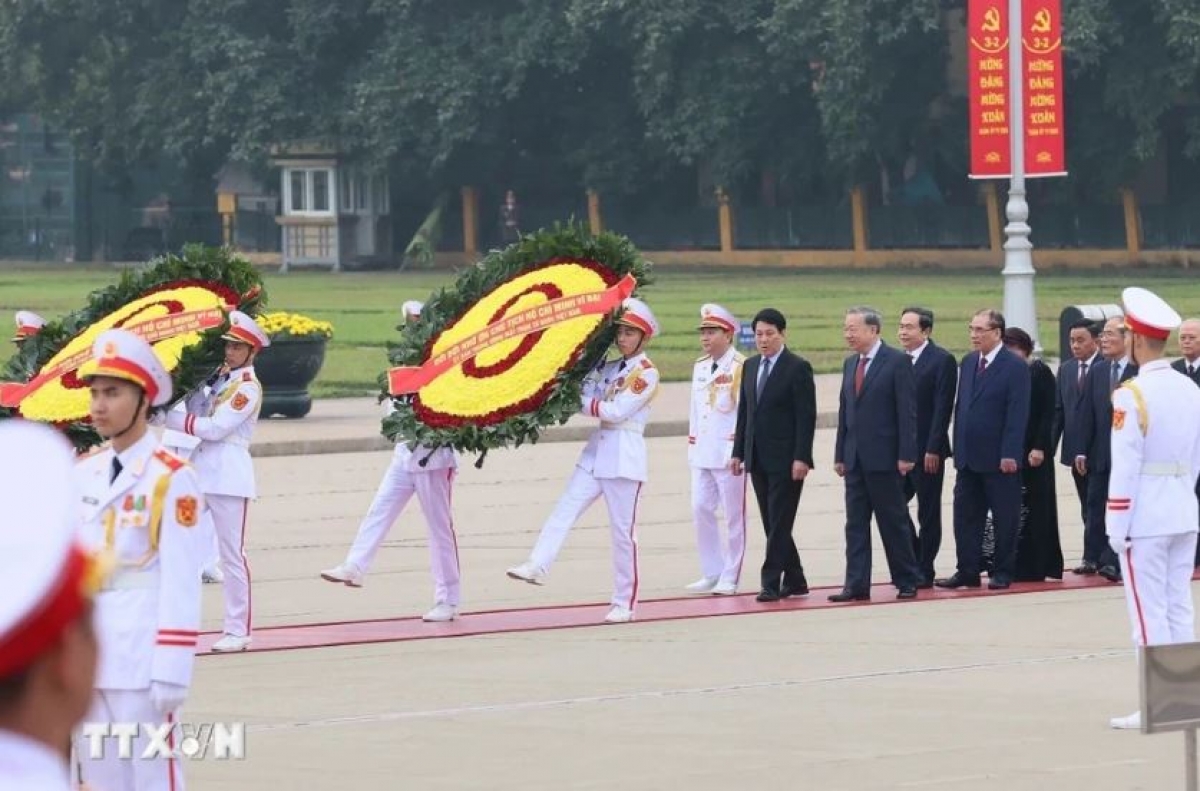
364,307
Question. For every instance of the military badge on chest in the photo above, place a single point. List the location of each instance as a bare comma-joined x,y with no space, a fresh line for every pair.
133,511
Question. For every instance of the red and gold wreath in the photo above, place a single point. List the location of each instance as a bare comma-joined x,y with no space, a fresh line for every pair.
502,353
172,318
502,356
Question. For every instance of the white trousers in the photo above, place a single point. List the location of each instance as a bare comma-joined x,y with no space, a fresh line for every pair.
621,495
229,522
434,494
1158,588
212,547
111,772
713,489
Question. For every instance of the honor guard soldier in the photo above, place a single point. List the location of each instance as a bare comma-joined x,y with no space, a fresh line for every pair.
613,463
48,644
28,325
429,474
183,445
1151,516
140,504
712,421
223,416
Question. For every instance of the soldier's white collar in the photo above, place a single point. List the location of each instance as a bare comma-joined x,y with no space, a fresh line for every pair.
134,457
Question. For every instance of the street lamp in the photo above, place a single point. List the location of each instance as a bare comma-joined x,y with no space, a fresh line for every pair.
1020,309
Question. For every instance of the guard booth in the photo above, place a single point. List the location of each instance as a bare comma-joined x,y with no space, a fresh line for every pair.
1074,313
336,214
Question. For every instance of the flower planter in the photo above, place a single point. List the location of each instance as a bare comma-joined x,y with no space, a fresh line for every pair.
286,368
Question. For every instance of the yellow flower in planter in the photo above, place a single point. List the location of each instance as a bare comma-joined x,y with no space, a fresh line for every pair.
284,326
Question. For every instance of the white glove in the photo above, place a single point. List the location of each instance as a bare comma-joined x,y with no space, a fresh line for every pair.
1119,545
167,697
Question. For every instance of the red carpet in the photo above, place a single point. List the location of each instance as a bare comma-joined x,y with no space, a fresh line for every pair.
570,616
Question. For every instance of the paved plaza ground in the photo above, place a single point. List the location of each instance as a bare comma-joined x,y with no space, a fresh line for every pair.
1003,691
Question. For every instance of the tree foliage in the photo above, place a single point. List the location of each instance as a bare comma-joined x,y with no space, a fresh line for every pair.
607,92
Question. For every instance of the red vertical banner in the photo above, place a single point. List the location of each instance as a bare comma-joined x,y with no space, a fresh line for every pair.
988,90
1041,35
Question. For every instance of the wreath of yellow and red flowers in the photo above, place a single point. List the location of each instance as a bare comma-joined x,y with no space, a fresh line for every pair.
502,353
179,303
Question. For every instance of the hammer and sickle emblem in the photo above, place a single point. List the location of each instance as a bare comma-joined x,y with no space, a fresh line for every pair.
991,20
1041,21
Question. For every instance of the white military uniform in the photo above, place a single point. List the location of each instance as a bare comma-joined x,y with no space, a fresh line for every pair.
45,581
148,615
223,417
712,421
433,484
184,445
613,463
1151,518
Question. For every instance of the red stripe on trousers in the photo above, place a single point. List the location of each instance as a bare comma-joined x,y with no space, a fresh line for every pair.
743,555
633,541
450,511
171,760
246,566
1137,600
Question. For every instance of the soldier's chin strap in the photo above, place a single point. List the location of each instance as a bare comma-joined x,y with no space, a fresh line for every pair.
136,414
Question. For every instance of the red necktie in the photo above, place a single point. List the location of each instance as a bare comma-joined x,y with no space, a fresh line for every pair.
859,373
1082,375
982,363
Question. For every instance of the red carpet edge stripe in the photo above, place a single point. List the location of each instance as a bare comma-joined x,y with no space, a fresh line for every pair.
573,616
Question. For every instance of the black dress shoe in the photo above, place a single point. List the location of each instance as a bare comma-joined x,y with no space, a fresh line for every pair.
907,593
999,584
925,584
1110,573
958,580
1086,567
794,590
765,595
850,596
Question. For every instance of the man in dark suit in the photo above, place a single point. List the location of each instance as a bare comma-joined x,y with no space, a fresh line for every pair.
1189,348
1072,376
1093,456
1189,366
776,421
937,380
989,445
876,447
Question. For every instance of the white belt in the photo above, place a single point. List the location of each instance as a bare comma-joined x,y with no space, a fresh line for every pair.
628,425
131,580
1167,469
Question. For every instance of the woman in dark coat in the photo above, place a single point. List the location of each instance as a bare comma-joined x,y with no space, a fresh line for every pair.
1039,553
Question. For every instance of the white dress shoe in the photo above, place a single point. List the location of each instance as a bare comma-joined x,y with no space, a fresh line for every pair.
619,615
345,573
442,612
702,585
1131,723
212,574
725,589
231,643
527,572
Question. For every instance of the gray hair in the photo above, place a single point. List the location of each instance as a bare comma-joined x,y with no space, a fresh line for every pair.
870,316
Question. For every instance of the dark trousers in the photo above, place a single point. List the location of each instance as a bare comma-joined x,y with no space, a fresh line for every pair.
778,498
881,494
1081,487
1198,542
928,491
1095,536
976,493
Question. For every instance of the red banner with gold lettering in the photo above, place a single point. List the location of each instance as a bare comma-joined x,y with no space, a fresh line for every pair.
1045,153
988,88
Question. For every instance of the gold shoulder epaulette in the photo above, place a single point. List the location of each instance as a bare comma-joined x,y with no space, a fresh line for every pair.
702,359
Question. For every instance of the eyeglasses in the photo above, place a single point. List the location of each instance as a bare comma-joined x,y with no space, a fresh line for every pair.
980,330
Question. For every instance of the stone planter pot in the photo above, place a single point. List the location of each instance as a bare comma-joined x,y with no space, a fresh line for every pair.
286,368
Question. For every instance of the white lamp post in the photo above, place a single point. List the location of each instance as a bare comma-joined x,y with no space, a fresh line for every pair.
1020,309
